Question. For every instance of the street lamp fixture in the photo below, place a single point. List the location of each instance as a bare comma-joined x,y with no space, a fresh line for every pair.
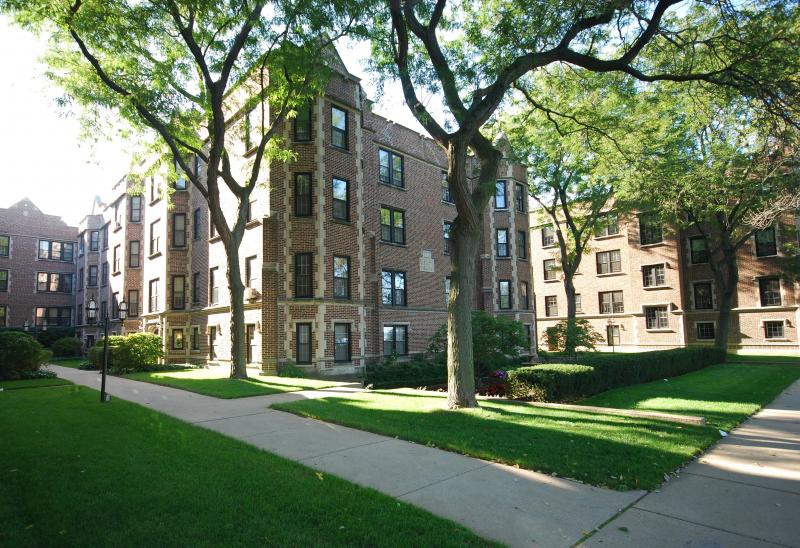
92,317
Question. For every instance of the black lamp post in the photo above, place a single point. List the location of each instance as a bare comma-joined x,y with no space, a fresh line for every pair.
91,317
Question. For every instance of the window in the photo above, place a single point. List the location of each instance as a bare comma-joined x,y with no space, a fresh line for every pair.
766,245
116,259
49,282
250,277
607,225
578,303
302,194
253,130
92,278
500,195
155,238
528,334
196,288
54,315
653,275
105,237
522,245
178,292
551,306
302,123
770,291
80,279
303,276
339,128
609,261
250,337
5,244
4,279
133,254
196,224
180,182
213,286
341,199
548,236
179,230
524,303
104,273
195,337
704,330
341,342
698,250
391,168
136,209
393,288
3,315
212,341
447,227
502,242
341,277
550,269
519,198
94,240
703,296
302,352
504,292
248,214
447,282
393,225
611,302
133,302
395,340
153,292
655,317
115,306
612,335
650,231
56,251
177,339
81,245
773,330
446,195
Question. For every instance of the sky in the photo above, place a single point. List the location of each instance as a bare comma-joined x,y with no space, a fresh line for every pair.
42,154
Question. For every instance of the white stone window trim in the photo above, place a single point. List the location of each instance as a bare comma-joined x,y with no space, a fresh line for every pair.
713,294
784,321
695,324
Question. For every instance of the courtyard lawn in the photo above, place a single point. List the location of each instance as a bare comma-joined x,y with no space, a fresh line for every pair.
607,450
32,383
773,360
724,394
79,473
219,385
68,362
614,451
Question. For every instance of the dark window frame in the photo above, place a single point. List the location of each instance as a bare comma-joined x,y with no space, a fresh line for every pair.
609,262
522,244
393,329
394,288
303,282
698,256
296,124
654,275
654,320
337,344
769,248
703,335
303,201
133,303
614,306
343,133
343,204
650,233
549,274
391,180
551,306
696,300
505,194
397,235
307,346
346,282
176,304
509,298
769,296
178,235
502,252
518,197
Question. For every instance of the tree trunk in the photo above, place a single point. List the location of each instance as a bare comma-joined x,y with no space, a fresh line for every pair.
236,291
569,289
460,364
726,277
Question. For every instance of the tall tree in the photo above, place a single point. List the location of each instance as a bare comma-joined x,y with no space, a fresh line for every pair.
712,162
189,71
471,53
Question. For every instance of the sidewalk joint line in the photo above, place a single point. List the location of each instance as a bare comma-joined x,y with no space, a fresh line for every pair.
437,482
744,483
345,449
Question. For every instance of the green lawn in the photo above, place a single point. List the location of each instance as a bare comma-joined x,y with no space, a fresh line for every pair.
620,452
218,385
68,362
788,360
75,472
724,394
32,383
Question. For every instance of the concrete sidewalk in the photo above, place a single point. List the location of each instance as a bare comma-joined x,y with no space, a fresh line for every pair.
744,492
513,506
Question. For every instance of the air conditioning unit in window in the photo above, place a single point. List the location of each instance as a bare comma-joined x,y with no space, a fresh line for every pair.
251,293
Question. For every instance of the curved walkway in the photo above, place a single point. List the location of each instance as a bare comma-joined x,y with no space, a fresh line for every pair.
513,506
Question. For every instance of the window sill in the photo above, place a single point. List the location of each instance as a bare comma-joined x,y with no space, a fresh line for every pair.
390,185
384,242
551,281
654,244
449,203
665,330
340,149
503,257
550,246
501,210
766,257
610,274
154,255
342,222
252,224
117,273
777,340
117,228
153,202
656,287
524,259
608,236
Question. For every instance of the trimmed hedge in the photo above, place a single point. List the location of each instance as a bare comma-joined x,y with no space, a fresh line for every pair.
411,373
599,372
67,347
135,352
21,355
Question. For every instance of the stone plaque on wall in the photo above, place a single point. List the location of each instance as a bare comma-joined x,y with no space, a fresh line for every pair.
426,262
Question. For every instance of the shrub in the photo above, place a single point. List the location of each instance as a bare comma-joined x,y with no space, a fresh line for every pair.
496,342
20,354
289,369
577,334
599,372
135,352
417,372
67,347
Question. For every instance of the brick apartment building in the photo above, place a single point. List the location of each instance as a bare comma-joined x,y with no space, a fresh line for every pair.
644,288
37,268
345,255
